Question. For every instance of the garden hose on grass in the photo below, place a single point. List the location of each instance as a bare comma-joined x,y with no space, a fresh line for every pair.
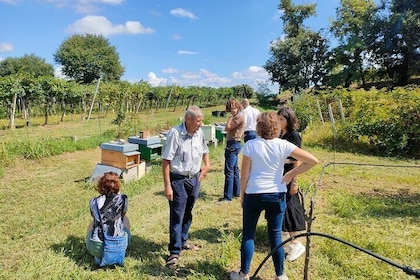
407,269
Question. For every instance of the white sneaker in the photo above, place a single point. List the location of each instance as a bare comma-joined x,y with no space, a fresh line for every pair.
282,277
295,251
235,275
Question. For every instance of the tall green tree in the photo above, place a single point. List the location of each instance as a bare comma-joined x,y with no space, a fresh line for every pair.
299,59
30,65
399,40
85,57
353,28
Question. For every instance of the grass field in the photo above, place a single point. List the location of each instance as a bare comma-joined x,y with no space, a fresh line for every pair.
371,202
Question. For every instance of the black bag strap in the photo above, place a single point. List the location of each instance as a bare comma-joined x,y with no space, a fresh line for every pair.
101,229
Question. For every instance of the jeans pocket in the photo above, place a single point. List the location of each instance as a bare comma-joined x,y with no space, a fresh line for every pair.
188,185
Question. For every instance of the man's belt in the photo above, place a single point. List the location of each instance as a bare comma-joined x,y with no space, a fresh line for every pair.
181,176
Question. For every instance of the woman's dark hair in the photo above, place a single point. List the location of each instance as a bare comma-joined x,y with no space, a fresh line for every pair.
290,116
233,104
109,183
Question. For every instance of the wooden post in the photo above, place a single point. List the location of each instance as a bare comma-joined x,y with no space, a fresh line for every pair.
332,118
340,105
319,111
169,99
94,96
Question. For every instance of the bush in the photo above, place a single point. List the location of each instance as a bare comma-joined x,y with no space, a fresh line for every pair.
376,121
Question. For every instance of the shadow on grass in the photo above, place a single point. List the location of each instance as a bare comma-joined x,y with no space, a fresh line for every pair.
386,204
75,248
380,204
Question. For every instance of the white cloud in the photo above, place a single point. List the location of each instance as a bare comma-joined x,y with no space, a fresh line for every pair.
84,6
154,81
187,52
252,76
101,25
253,73
6,47
207,73
169,71
190,76
278,15
183,13
58,73
176,37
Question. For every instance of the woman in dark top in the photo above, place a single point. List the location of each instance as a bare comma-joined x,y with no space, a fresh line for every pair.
294,218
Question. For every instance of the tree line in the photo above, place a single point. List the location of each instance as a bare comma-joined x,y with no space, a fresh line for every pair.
375,42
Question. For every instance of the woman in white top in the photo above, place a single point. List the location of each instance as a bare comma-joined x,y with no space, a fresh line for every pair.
263,187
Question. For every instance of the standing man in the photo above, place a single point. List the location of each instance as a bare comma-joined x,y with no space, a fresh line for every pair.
185,162
251,115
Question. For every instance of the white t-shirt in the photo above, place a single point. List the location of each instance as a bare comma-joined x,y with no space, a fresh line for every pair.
251,115
267,164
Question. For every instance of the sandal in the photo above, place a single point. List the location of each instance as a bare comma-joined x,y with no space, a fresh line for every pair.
190,246
172,261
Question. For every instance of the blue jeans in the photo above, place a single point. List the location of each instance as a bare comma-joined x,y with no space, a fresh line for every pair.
274,205
232,183
250,134
185,191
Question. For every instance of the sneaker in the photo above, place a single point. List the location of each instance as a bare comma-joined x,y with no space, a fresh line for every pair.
282,277
295,251
236,275
223,201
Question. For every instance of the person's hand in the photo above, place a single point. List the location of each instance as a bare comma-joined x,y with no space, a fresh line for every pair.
203,173
294,188
287,178
169,193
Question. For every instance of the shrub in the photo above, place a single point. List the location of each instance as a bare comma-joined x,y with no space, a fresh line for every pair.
387,122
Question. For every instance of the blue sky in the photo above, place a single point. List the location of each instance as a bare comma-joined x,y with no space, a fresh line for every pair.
215,43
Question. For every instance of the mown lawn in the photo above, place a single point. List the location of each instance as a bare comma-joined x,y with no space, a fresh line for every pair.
44,206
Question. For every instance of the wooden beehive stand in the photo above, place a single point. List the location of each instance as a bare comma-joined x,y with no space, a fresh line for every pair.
124,156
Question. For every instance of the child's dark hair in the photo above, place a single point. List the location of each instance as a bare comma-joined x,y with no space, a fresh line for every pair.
290,116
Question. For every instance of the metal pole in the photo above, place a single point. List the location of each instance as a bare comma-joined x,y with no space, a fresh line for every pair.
94,96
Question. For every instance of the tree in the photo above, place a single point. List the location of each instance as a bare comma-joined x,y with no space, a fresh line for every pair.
85,57
353,28
30,65
299,60
399,40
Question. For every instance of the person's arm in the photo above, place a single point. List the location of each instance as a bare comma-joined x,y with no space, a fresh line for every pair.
294,188
234,120
245,168
205,168
166,179
307,162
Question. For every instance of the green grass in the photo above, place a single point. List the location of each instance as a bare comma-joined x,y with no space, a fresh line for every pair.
44,206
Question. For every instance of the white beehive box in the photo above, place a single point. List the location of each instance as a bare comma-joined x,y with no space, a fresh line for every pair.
209,132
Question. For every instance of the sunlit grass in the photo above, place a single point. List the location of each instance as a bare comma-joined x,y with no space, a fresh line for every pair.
44,206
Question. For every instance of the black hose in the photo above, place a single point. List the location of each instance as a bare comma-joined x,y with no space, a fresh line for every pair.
408,270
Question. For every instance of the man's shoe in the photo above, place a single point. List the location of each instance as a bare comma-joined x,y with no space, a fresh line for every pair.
236,275
282,277
295,251
223,200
